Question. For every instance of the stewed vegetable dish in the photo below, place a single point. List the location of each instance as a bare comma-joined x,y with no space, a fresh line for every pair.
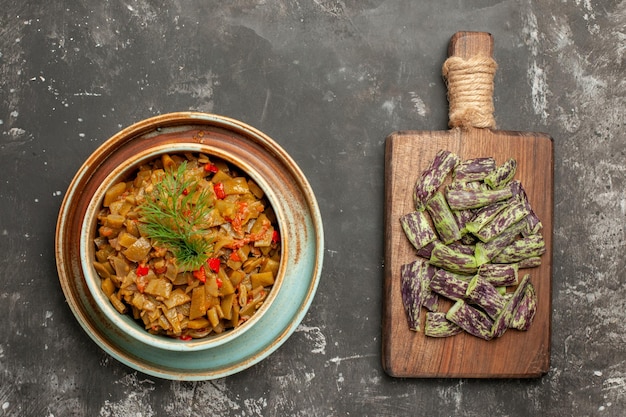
188,245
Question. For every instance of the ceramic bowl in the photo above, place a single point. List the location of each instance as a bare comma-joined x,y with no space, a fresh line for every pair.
299,221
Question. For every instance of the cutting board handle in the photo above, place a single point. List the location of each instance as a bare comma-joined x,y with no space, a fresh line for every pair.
469,72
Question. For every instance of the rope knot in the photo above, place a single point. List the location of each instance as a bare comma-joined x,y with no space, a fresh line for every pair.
470,91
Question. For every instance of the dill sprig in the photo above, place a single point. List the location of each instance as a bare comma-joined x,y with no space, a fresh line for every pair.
174,216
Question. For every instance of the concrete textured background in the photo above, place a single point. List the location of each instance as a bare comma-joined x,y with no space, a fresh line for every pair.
328,80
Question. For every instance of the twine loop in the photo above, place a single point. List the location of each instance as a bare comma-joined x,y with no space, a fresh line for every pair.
470,91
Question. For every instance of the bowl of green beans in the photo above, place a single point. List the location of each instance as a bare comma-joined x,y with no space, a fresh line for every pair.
189,246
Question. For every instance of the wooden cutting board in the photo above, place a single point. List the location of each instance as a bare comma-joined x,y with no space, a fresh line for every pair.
516,354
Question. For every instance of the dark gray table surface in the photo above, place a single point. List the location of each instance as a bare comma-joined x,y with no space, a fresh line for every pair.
328,80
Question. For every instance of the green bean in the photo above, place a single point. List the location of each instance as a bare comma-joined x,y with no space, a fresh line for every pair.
453,260
443,219
470,319
527,247
471,199
417,229
502,175
510,215
486,296
437,325
433,177
500,275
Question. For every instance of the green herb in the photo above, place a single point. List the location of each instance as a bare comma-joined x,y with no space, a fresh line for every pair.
174,216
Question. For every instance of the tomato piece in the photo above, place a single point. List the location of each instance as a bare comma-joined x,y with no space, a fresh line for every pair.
214,264
219,190
199,274
210,168
142,270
